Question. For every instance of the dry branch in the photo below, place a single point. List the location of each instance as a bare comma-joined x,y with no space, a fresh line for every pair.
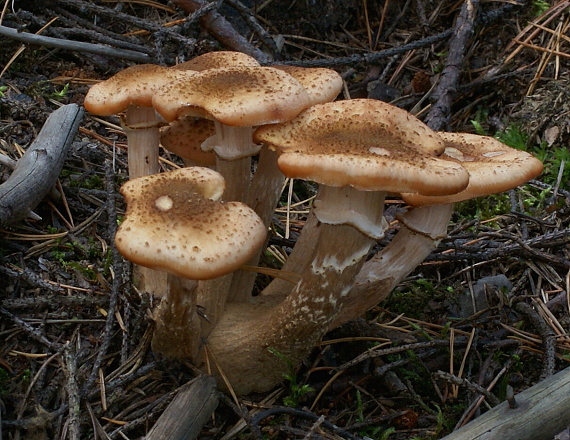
221,29
37,171
542,411
77,46
438,116
184,418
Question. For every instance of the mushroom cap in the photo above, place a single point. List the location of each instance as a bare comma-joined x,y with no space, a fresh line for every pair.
236,96
184,137
364,143
174,223
493,167
135,85
215,60
322,85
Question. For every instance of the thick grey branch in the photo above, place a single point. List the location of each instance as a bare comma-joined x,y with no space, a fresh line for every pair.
37,171
77,46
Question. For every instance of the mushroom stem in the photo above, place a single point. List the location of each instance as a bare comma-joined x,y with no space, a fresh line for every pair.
176,321
349,206
362,209
265,190
141,127
212,296
421,231
233,147
297,259
241,340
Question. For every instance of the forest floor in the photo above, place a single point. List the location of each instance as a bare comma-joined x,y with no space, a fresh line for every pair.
489,306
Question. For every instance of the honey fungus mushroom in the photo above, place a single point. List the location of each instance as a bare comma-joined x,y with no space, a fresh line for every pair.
130,92
493,167
236,99
357,150
175,223
216,60
184,137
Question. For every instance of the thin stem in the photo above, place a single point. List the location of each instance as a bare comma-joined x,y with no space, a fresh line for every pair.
233,147
141,127
420,232
264,195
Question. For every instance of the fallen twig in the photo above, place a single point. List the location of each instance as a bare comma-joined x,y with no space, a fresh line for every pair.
37,171
29,330
299,413
188,412
438,116
222,30
543,411
135,21
547,334
453,379
77,46
72,389
117,279
31,278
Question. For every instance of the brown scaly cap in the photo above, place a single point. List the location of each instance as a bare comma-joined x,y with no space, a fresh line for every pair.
174,223
493,167
184,137
135,85
364,143
235,96
215,60
322,85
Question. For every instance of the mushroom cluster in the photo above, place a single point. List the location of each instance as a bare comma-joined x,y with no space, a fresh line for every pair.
201,226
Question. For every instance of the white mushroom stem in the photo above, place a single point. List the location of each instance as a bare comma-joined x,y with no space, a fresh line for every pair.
233,147
141,127
266,187
298,258
177,322
362,209
243,337
421,231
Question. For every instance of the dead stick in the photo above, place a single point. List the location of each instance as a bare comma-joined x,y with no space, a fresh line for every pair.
75,46
222,30
37,171
185,416
132,20
542,411
72,389
547,334
438,117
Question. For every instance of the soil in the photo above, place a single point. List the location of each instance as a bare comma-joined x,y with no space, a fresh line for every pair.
75,357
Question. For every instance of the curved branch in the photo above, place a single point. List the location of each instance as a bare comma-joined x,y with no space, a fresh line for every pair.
38,170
